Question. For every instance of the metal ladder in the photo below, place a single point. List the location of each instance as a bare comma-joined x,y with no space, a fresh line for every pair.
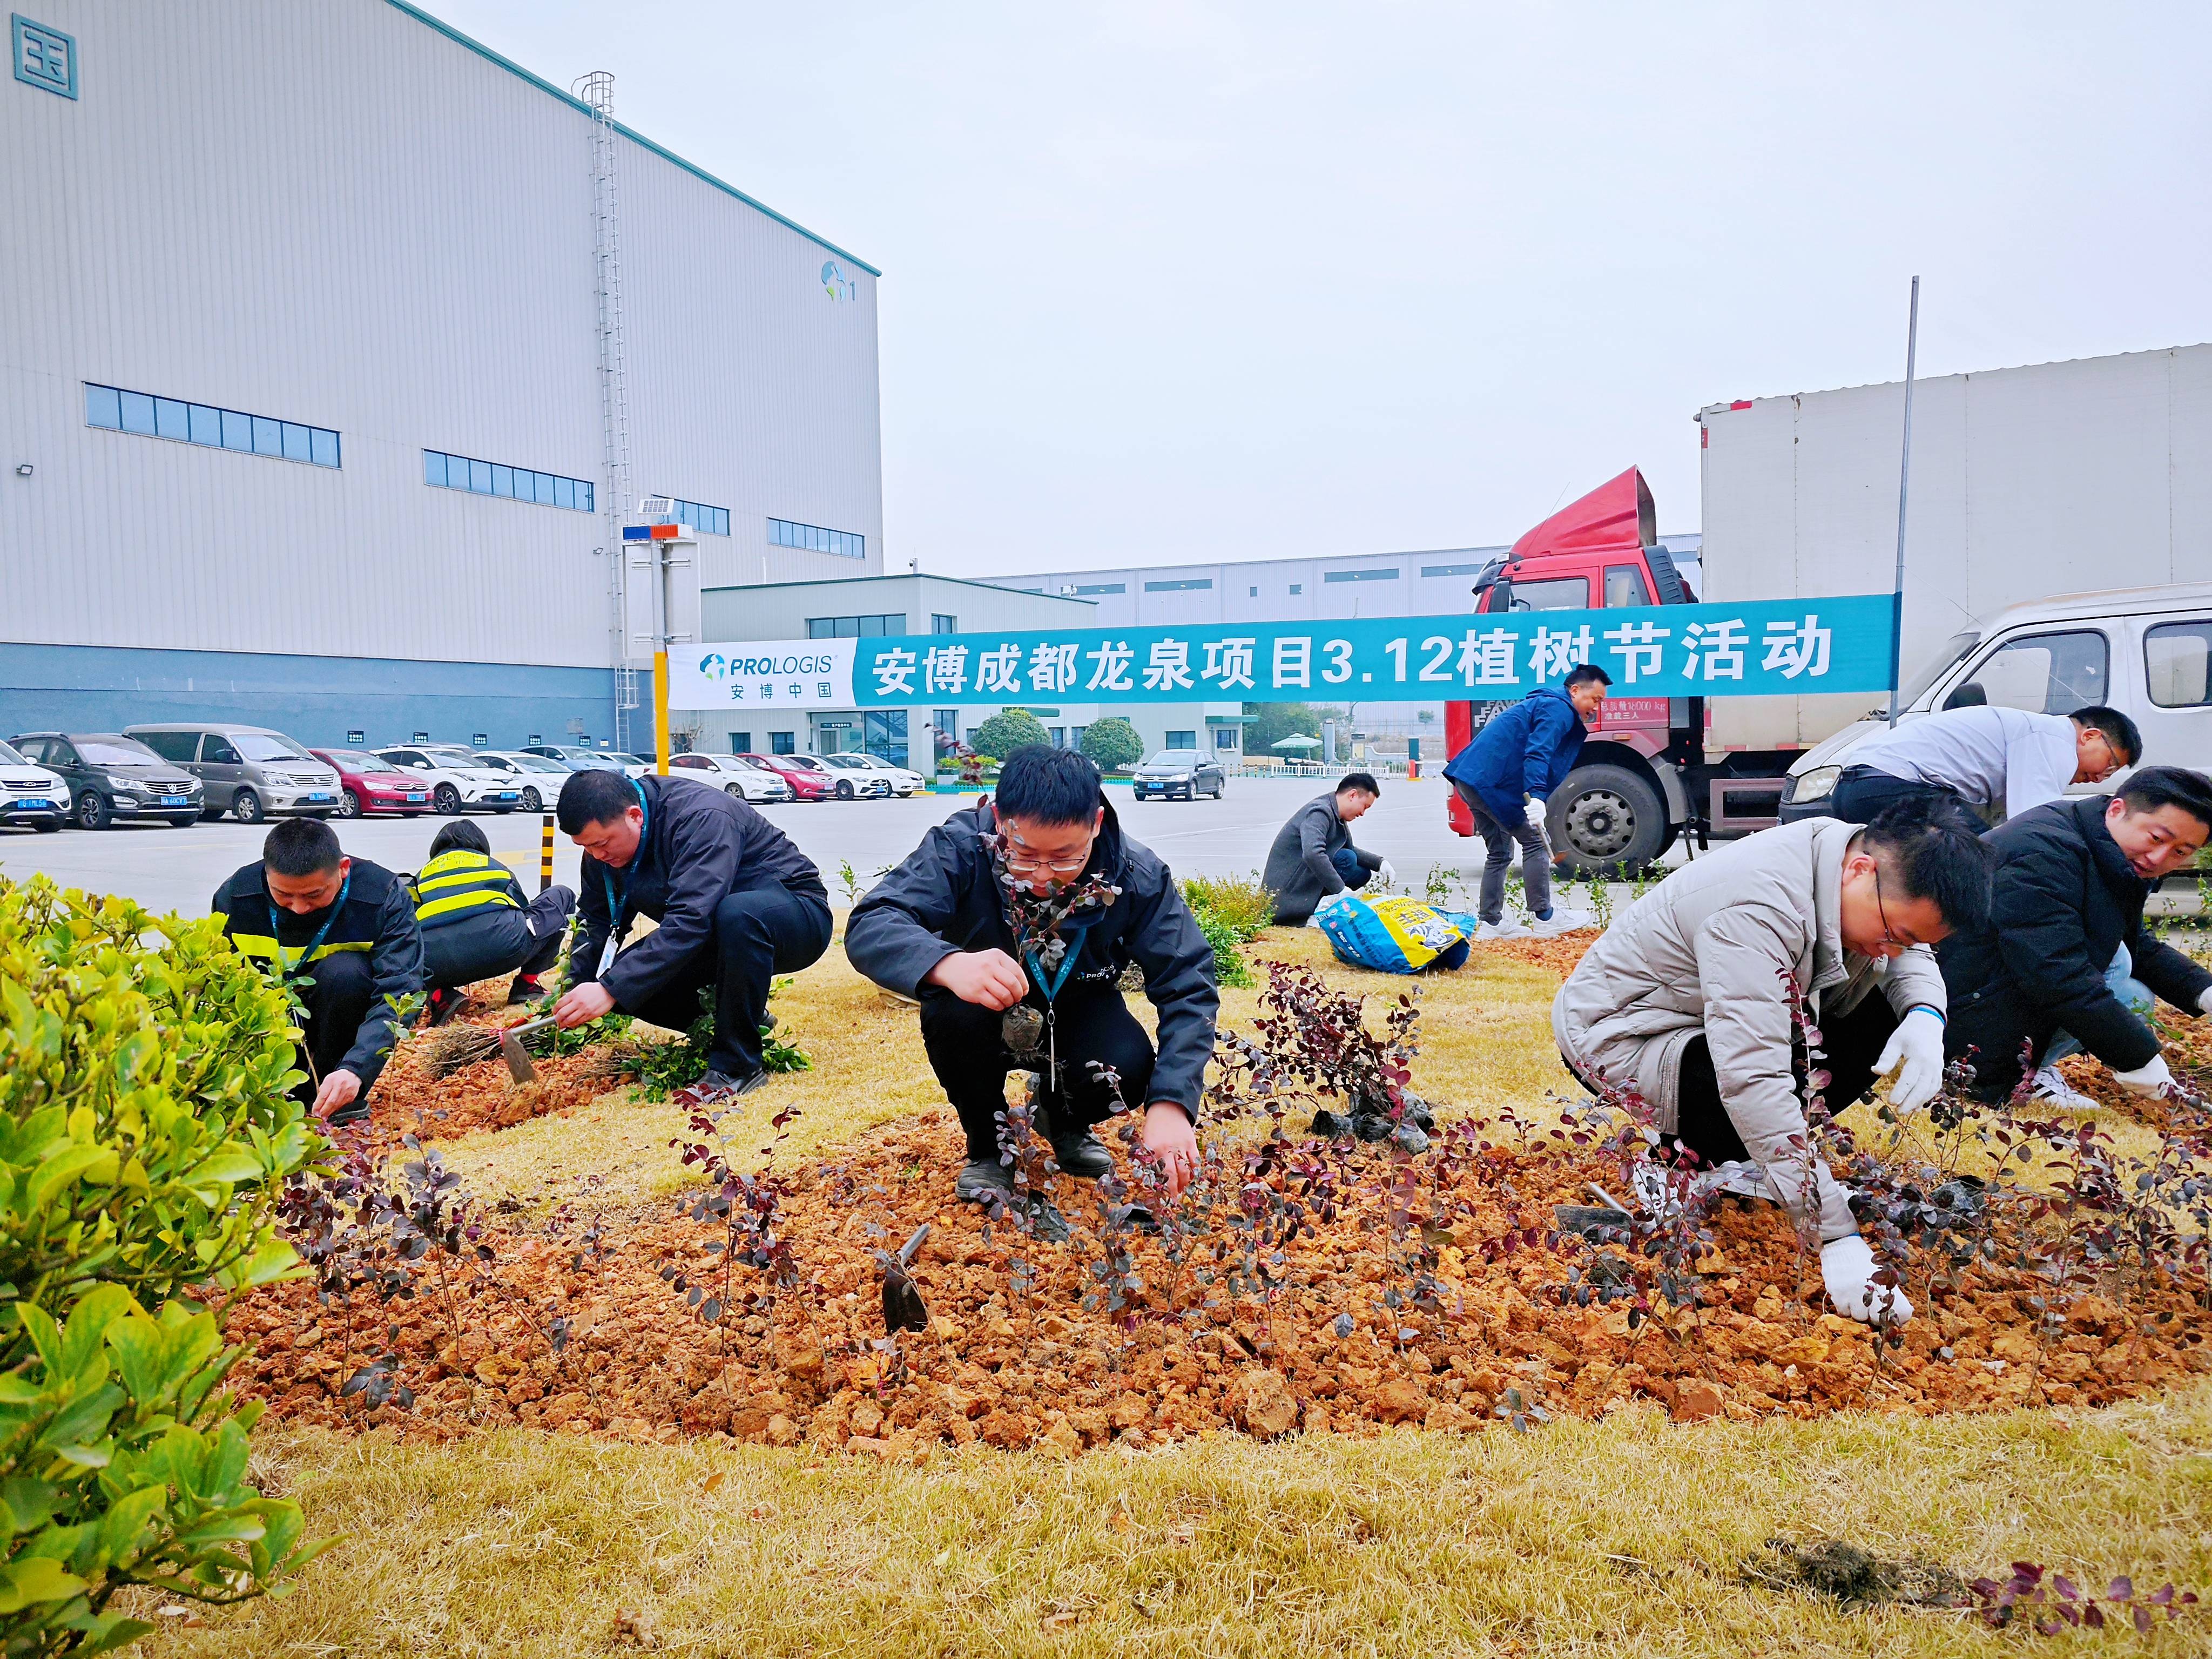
598,90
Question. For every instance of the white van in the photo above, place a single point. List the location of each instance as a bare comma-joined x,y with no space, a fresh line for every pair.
2144,651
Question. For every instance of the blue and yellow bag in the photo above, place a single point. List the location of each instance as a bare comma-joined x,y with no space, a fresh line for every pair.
1396,935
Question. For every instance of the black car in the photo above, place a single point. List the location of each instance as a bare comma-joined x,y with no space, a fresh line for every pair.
110,777
1185,771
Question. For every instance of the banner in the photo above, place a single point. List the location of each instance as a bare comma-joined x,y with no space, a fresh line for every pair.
1767,647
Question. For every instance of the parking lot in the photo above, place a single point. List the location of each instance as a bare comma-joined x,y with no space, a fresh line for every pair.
166,869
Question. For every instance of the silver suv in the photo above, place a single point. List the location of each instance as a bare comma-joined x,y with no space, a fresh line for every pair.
248,771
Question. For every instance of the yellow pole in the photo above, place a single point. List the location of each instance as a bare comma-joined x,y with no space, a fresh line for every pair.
661,712
545,855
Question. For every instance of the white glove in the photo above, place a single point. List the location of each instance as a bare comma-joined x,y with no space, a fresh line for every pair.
2204,1002
1915,1048
1847,1268
1535,811
1384,873
2152,1079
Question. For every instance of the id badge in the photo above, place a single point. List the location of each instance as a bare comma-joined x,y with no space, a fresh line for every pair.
607,954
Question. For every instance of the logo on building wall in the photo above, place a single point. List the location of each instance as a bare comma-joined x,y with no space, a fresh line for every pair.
44,58
835,283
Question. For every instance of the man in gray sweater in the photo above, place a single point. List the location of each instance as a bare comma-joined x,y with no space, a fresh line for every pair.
1313,856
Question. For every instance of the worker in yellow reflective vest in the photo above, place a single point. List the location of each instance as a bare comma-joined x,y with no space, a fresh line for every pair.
476,924
342,931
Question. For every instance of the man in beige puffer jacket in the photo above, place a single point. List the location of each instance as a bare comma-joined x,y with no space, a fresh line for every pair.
1687,998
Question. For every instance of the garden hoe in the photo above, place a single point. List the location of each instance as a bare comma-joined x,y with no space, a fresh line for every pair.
510,1049
903,1307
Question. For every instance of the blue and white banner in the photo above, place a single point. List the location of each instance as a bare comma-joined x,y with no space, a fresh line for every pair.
1768,648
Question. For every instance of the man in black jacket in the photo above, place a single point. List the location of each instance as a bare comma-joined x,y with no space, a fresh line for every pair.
2065,962
942,927
342,931
737,903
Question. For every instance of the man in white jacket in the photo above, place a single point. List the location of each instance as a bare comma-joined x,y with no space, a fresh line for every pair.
1688,999
1985,758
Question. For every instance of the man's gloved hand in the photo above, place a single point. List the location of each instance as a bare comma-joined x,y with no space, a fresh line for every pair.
1384,873
1847,1268
1915,1050
1535,811
2151,1079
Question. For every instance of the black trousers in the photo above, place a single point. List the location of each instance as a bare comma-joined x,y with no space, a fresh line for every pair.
337,996
490,943
759,933
1849,1045
968,1051
1862,793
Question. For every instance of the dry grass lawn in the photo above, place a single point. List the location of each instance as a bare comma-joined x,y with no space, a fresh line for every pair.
1621,1536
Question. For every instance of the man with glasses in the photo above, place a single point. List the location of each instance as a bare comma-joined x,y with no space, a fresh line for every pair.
1698,997
2065,962
1995,761
1035,897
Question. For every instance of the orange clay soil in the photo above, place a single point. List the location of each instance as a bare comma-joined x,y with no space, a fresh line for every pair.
1017,1363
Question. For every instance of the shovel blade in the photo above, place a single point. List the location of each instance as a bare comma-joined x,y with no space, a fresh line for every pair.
518,1062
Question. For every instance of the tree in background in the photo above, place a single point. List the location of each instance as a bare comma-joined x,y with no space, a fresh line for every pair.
1007,730
1112,743
1273,721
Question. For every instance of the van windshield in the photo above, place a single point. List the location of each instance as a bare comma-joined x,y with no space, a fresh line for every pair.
1940,663
268,746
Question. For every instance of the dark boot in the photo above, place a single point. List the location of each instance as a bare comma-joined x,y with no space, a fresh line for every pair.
984,1180
525,990
1082,1154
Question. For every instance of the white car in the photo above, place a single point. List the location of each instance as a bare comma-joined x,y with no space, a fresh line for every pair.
457,779
748,783
536,780
904,782
854,775
31,794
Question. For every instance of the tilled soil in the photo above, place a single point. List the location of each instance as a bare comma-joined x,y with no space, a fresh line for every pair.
1017,1368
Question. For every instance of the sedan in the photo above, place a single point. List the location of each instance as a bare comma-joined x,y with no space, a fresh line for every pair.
367,786
31,794
853,775
575,757
456,782
537,779
904,782
110,777
1184,772
741,778
809,780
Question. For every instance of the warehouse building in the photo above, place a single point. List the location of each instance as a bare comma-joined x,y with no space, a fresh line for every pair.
922,606
337,350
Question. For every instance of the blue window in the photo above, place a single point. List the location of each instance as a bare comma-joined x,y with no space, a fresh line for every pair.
1188,585
706,521
1454,569
1359,576
443,471
941,623
845,543
44,58
117,410
1103,587
1182,740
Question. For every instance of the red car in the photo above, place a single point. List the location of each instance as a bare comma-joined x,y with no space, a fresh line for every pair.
808,783
366,784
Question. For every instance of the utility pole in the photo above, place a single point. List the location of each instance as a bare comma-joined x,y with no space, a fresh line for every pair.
1904,491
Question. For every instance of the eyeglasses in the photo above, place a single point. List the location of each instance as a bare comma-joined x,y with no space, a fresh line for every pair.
1026,862
1888,935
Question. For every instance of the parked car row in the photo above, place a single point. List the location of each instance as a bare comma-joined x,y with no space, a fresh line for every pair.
180,772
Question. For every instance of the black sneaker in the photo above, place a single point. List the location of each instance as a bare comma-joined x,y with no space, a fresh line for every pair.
982,1180
717,1088
525,990
1083,1156
443,1004
355,1111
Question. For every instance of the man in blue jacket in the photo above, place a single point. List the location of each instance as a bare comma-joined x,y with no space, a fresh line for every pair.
1504,777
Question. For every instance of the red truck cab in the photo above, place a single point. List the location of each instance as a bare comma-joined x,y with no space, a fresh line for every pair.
1624,805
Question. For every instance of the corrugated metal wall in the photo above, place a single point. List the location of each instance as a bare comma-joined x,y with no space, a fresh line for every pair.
337,215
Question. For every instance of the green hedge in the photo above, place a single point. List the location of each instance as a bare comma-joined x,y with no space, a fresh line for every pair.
146,1130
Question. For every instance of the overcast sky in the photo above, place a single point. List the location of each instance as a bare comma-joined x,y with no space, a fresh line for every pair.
1168,281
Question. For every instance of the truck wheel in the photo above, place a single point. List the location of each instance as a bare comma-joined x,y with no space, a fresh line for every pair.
1605,816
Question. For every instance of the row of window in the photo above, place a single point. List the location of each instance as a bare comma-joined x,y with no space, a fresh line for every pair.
856,628
706,521
1360,576
782,532
117,410
517,483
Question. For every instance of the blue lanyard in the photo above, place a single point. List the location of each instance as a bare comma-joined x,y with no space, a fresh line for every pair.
321,933
644,828
1067,962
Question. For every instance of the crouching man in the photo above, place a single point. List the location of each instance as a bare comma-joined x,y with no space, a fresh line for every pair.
2065,962
737,903
342,931
477,923
1312,858
1036,896
1688,999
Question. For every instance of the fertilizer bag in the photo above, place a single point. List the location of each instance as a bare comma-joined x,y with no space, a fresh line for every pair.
1394,935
